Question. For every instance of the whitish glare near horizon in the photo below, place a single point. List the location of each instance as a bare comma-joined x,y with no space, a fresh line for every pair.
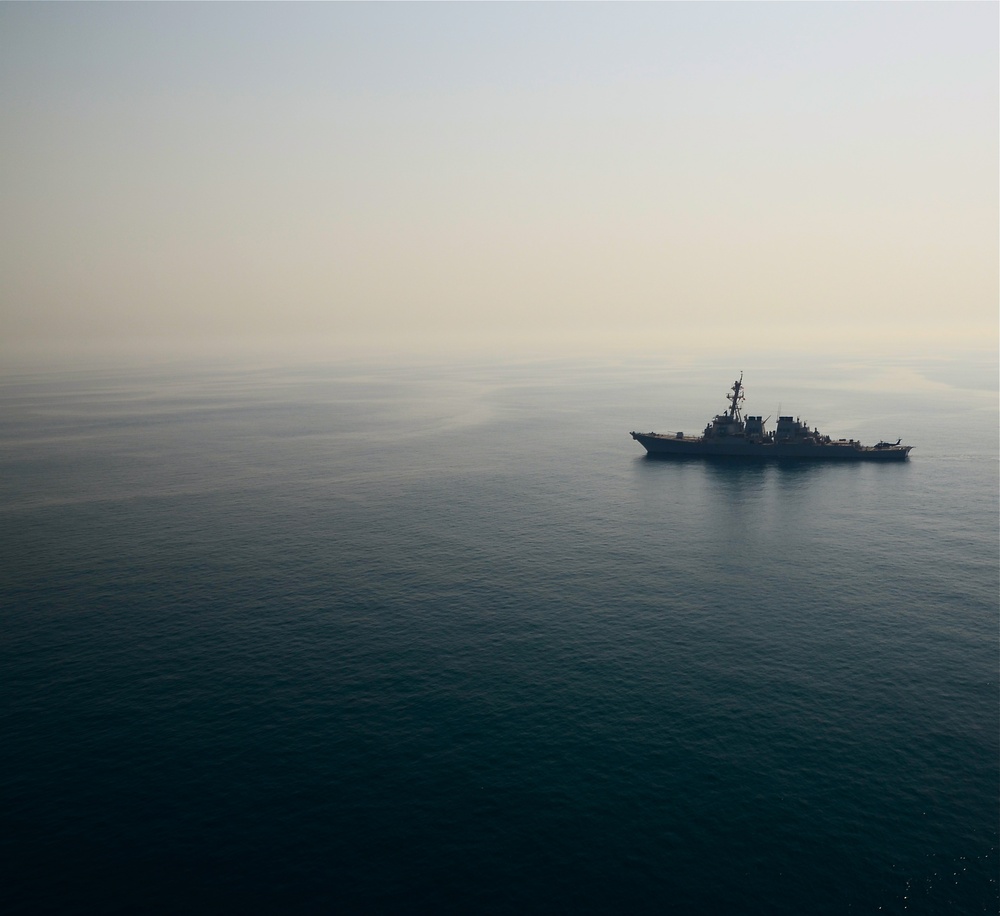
185,178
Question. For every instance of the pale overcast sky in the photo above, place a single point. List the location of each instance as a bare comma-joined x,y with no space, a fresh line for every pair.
629,175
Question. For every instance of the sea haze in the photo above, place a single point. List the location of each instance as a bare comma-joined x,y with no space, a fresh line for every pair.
434,638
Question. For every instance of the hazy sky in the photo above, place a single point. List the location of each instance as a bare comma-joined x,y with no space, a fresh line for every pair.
649,174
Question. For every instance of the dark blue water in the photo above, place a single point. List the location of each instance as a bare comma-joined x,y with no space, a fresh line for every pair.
428,639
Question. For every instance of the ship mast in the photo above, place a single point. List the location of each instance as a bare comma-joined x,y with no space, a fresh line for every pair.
735,398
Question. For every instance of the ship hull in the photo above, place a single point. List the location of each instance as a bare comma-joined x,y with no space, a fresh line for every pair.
660,446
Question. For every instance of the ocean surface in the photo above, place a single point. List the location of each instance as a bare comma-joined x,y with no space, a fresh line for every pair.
439,638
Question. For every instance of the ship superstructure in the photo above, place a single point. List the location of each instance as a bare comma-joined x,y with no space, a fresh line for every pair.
730,434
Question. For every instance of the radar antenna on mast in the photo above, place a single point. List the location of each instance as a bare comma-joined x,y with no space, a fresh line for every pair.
735,398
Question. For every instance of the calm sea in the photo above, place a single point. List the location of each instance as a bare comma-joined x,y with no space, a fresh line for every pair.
440,639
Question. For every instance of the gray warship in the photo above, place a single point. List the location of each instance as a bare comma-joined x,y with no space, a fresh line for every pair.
730,434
